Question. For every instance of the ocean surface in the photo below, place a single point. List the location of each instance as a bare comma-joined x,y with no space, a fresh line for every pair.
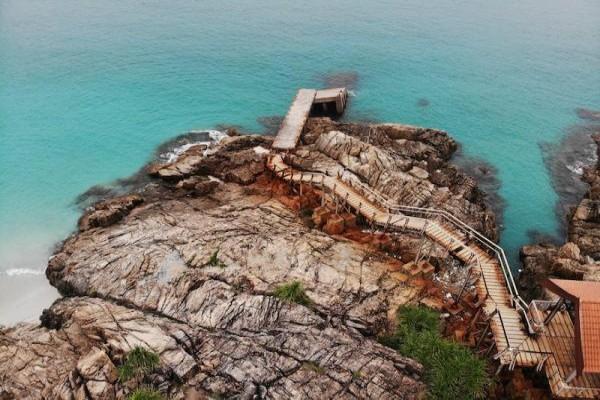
89,89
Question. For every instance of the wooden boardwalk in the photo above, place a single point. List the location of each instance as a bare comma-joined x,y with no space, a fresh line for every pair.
293,123
559,340
506,322
512,333
333,99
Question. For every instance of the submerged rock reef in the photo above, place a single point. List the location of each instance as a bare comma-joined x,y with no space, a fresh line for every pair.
190,264
579,257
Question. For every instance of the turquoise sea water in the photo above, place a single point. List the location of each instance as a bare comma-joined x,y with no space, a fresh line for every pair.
89,89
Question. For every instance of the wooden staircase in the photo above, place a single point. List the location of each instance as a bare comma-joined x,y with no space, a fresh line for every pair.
504,317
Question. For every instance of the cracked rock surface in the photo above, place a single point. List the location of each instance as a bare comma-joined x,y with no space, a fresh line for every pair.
409,165
158,260
78,359
188,267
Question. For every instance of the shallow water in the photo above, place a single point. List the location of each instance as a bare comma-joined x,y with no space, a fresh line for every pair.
89,89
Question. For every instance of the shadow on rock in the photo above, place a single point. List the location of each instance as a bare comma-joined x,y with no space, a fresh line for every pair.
536,236
270,124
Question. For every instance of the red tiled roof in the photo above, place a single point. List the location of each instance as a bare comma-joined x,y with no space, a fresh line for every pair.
585,295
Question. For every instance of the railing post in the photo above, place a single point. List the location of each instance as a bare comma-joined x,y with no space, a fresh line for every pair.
464,287
387,224
555,309
484,334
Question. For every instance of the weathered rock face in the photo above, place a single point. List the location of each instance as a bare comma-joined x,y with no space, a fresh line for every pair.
305,357
412,141
78,360
579,258
190,273
159,260
409,165
237,159
584,227
109,212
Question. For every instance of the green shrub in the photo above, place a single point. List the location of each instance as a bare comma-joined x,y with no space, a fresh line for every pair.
215,261
145,394
452,371
138,363
293,293
418,319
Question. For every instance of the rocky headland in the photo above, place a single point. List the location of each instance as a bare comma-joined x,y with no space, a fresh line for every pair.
189,265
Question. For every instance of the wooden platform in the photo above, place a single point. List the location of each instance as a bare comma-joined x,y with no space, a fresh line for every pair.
553,349
337,97
293,123
559,340
291,128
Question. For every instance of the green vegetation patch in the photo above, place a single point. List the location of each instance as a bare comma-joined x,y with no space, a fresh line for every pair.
313,366
452,371
138,363
292,292
215,261
146,394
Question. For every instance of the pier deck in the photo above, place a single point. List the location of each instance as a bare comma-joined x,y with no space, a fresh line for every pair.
291,128
293,123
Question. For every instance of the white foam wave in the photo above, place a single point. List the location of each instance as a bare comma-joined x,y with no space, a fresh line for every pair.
173,155
578,166
23,271
217,136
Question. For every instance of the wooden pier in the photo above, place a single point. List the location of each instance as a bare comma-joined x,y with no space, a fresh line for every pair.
332,98
295,119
